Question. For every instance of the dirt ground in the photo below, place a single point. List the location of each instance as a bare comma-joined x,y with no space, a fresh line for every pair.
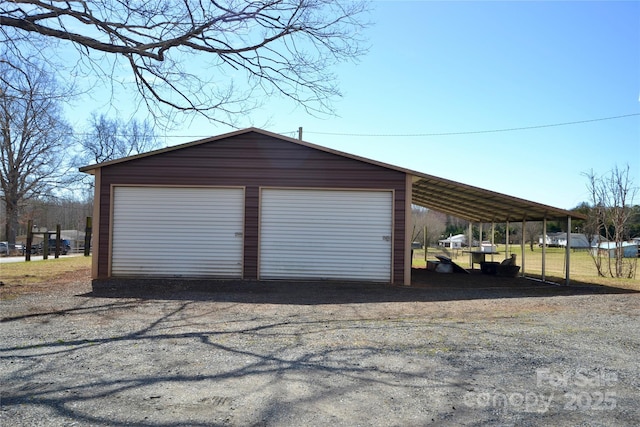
465,350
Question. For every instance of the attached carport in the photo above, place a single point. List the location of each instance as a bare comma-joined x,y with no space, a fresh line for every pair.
481,206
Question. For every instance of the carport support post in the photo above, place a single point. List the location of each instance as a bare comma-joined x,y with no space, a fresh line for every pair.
522,244
408,237
544,247
506,243
424,237
87,237
568,252
493,238
470,244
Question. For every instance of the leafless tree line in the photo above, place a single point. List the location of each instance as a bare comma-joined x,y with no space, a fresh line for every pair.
34,136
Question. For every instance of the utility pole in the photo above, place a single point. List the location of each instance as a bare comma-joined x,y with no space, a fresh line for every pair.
300,133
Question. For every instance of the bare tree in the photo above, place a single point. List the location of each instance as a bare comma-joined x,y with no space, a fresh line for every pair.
109,139
588,227
70,214
432,220
612,196
33,138
531,232
196,56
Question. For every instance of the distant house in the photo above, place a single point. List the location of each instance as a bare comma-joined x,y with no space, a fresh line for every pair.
453,242
578,240
552,239
630,249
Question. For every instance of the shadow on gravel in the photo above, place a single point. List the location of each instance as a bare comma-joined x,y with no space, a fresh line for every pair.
426,287
114,401
175,362
83,308
65,375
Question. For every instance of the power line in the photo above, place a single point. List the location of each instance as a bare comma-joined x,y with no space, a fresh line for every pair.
472,132
408,135
395,135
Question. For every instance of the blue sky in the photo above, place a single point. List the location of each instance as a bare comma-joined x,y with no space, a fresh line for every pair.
457,67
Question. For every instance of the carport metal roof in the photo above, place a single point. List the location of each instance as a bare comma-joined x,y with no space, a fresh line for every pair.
477,204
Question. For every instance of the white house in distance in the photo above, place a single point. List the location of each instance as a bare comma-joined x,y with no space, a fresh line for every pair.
453,242
551,239
578,240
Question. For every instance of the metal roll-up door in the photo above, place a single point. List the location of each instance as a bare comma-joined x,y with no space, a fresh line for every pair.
326,234
177,232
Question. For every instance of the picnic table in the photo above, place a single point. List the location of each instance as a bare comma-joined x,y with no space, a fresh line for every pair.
479,257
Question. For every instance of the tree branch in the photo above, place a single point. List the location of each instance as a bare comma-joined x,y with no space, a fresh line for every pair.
283,46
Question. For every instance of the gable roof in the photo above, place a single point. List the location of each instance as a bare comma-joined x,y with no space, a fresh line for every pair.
454,198
455,238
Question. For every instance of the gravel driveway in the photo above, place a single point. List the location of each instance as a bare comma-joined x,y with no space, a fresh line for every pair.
322,354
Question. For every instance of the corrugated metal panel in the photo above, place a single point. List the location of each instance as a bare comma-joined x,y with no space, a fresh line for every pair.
168,232
477,204
326,234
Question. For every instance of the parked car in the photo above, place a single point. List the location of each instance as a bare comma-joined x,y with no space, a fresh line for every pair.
65,247
5,249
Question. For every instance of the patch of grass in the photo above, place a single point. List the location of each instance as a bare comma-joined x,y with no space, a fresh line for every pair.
633,284
26,273
582,267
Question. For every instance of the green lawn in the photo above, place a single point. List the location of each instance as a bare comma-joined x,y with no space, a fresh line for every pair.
582,267
24,273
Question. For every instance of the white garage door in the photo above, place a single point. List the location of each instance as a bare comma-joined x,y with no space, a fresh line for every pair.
325,234
173,232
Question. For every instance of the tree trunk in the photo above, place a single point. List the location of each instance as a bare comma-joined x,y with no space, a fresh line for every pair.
11,225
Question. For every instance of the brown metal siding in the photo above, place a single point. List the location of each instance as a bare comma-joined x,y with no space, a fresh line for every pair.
253,160
252,203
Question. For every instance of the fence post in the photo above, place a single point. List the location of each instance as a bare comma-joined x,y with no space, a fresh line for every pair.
87,236
27,249
58,242
45,245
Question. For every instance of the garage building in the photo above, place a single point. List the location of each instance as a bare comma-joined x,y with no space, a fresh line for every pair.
255,205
